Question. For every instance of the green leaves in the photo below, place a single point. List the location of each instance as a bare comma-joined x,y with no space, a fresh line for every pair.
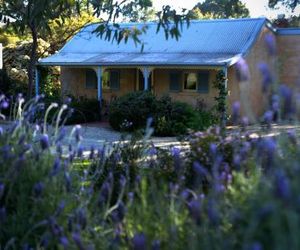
292,4
220,9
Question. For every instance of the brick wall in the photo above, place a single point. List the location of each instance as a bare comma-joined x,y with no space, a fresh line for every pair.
289,59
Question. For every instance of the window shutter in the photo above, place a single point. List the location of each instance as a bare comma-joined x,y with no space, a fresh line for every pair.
90,79
114,80
203,82
175,81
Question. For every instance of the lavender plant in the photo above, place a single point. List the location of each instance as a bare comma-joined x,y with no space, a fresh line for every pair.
227,191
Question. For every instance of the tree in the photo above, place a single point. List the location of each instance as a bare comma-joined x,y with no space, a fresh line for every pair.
139,13
283,22
222,9
292,4
33,16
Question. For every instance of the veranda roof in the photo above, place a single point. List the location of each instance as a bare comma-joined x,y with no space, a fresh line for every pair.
204,43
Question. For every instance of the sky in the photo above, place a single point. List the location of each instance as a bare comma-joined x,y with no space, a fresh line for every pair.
257,7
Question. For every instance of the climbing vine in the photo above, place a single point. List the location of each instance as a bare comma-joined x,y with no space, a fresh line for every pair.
221,99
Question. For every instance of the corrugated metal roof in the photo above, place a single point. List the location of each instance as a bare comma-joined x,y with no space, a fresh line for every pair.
205,42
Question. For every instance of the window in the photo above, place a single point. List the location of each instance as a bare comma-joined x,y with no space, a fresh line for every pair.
175,81
110,79
203,82
90,79
190,81
106,80
114,80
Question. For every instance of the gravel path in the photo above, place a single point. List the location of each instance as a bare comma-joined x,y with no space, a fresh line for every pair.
100,135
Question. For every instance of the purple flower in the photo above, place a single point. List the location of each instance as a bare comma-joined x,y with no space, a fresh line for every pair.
38,189
282,185
119,213
175,152
212,212
122,181
68,181
186,195
26,246
2,214
242,70
156,245
236,107
199,169
270,44
67,100
60,208
80,152
139,241
213,149
152,151
268,117
61,135
92,153
195,210
130,196
44,141
4,104
138,179
77,239
104,193
64,242
56,167
267,78
270,145
2,189
265,211
81,217
45,241
275,105
245,121
256,246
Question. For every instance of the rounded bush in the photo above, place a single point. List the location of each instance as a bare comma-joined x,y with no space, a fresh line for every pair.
130,112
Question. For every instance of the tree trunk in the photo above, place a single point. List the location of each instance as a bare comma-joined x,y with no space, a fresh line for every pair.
33,59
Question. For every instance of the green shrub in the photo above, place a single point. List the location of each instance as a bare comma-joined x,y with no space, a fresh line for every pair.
84,110
173,118
130,112
170,118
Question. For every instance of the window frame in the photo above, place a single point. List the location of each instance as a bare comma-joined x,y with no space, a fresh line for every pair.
86,80
107,71
183,82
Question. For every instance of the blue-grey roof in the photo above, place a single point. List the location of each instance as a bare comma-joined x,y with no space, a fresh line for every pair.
206,42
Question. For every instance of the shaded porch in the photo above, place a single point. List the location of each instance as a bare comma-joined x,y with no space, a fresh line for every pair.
187,84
